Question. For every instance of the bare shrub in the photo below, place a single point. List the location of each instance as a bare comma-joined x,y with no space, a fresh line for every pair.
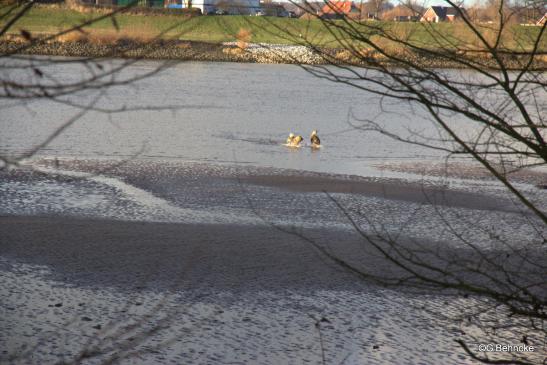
243,37
71,37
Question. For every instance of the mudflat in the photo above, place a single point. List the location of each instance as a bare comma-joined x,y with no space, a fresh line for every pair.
224,264
410,192
127,255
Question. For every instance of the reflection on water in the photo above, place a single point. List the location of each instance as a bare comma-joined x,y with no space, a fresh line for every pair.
228,113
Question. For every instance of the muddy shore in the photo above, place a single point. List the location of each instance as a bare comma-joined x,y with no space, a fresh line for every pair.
133,266
264,229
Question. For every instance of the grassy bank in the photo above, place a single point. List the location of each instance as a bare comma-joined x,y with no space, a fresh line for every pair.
215,29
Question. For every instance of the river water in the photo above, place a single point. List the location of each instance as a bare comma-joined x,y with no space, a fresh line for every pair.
197,125
222,112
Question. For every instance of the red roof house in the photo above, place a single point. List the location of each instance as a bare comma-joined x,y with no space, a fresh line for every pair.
339,9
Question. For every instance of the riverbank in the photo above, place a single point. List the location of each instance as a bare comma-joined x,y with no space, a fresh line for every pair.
177,50
46,30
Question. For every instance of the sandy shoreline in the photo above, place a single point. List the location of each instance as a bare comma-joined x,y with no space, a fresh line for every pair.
157,262
232,179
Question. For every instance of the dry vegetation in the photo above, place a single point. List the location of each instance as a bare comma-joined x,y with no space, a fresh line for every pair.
243,38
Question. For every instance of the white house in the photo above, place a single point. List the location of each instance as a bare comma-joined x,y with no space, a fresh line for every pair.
436,14
231,6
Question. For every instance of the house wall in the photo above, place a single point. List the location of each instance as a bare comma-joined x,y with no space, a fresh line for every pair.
233,7
430,16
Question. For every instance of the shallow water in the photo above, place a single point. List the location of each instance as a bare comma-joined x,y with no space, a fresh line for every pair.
235,113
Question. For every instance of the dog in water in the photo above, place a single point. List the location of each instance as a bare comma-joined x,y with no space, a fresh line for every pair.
294,141
314,139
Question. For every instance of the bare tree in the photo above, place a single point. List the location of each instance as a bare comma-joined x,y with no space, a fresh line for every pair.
492,114
379,6
503,134
24,79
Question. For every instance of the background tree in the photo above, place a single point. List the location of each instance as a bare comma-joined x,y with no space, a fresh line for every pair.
27,78
374,8
503,133
400,62
24,79
403,10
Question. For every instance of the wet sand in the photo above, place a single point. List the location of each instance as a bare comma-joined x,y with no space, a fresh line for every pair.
468,170
394,190
255,250
212,294
245,292
129,254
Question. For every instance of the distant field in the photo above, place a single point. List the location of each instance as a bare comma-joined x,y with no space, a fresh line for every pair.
217,29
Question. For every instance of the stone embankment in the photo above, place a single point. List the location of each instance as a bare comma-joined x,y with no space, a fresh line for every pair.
166,49
243,52
276,53
125,48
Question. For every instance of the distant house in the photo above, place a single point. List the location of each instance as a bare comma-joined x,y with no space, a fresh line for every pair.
543,20
310,7
139,3
232,7
274,9
339,9
94,2
403,13
436,14
296,10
